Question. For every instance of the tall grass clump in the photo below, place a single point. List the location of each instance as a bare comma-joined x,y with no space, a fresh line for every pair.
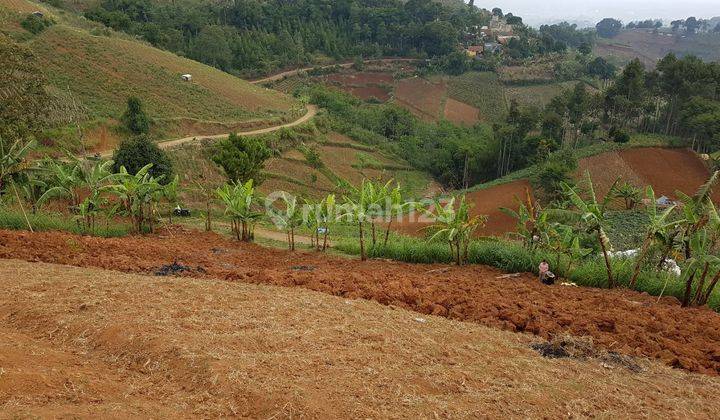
44,222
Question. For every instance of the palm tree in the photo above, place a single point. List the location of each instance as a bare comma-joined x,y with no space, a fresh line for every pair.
593,218
658,228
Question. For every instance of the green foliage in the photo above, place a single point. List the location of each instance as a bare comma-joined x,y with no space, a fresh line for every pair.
43,222
608,27
36,24
239,200
25,101
242,157
253,37
553,173
135,120
619,135
137,152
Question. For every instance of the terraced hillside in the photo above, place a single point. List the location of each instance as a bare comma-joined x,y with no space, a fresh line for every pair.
340,161
102,68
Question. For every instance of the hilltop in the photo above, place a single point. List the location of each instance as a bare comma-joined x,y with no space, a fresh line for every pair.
650,47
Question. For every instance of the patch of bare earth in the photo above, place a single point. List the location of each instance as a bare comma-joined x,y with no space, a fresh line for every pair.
88,343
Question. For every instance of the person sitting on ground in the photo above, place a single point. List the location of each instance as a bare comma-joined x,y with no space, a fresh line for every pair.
546,277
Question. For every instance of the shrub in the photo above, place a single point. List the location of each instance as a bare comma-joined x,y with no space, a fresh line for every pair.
135,119
136,152
242,158
36,24
619,135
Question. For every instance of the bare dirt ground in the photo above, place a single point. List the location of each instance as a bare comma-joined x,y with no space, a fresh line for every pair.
88,343
627,322
667,170
487,202
421,97
461,113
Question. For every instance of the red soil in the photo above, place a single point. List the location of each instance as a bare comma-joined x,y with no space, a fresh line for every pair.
618,320
487,202
421,97
368,92
461,113
361,79
667,170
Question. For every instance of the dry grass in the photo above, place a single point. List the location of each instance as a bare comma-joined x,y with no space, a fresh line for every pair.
82,342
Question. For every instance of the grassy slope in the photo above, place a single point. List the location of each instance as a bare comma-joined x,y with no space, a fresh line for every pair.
102,71
481,90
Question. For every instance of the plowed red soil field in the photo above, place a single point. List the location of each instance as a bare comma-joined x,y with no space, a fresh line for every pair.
618,320
461,113
421,97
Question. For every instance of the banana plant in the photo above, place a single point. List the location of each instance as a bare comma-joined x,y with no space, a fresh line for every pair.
532,221
13,158
660,226
699,267
454,224
562,240
239,200
629,193
593,218
359,209
395,205
65,180
290,219
136,194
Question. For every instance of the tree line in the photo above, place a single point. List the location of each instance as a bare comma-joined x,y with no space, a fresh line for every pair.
252,37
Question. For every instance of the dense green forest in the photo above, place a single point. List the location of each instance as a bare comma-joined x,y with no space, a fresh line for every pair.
252,37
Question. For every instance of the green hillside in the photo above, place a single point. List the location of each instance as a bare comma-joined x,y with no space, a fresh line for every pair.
101,68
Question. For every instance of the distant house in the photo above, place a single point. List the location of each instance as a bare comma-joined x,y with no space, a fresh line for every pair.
187,77
492,47
38,13
474,50
505,39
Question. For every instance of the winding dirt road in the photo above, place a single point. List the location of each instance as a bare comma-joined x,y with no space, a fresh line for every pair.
312,111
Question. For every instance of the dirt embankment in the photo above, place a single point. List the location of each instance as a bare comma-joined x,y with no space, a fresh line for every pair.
623,321
89,343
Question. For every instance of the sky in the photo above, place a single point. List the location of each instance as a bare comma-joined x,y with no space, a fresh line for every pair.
536,12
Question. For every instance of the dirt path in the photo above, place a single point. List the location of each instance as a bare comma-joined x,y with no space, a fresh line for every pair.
312,111
90,343
294,72
619,320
